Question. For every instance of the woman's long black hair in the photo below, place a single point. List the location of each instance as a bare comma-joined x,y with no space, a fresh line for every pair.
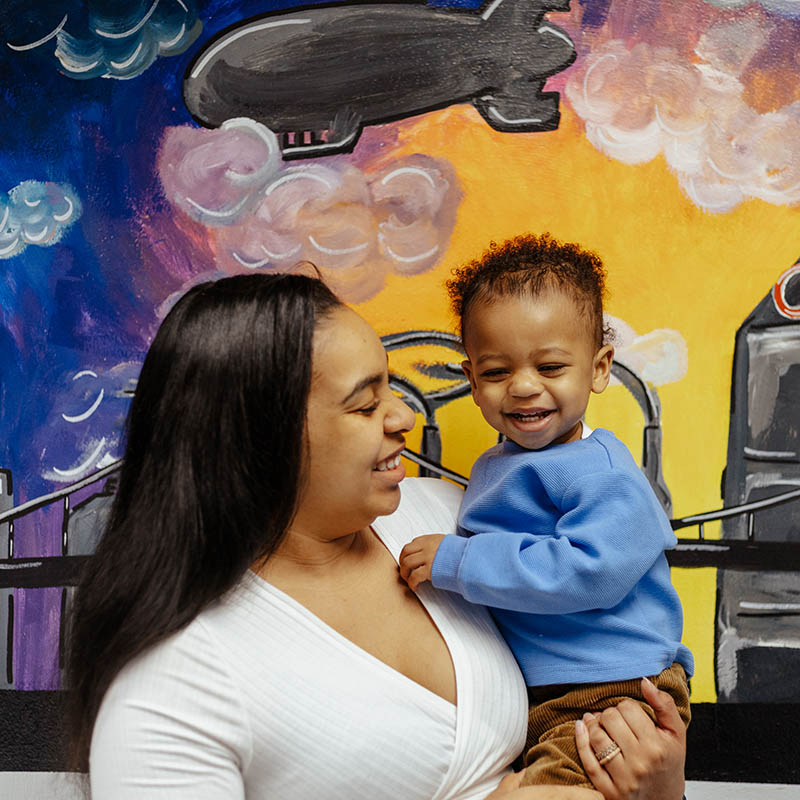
211,476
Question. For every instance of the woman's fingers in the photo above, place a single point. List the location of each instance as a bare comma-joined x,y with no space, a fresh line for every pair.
649,762
597,775
617,726
667,716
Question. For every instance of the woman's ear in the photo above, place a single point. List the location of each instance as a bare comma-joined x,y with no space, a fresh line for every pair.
601,369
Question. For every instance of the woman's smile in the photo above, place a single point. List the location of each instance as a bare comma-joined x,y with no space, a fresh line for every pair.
390,463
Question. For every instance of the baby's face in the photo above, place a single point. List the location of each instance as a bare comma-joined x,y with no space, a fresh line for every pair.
532,365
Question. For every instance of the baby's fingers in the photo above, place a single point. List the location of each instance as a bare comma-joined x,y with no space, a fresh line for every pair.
418,576
409,562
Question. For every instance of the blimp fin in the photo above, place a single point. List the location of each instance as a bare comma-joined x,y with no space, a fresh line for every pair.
515,112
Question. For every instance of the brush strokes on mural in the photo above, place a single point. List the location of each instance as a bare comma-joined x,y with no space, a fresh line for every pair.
357,225
101,38
318,75
131,154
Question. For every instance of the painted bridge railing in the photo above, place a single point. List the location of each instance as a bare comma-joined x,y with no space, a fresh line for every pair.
46,571
738,554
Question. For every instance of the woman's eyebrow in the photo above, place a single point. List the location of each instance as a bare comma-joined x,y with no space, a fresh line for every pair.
372,380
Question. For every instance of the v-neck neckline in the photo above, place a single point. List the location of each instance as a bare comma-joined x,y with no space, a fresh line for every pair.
348,644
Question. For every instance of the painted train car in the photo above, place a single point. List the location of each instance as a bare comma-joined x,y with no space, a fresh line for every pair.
758,612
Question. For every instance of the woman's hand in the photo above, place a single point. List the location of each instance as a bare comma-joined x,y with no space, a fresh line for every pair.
509,789
508,784
650,763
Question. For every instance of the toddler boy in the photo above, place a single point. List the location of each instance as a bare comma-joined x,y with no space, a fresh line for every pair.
561,534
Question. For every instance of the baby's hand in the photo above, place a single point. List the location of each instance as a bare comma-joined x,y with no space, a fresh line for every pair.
416,559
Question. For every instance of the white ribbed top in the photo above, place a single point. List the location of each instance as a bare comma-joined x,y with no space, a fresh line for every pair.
259,698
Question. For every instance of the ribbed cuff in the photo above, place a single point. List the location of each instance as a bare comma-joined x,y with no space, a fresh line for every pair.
444,573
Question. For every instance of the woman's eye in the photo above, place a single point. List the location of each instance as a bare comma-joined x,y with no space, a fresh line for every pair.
367,410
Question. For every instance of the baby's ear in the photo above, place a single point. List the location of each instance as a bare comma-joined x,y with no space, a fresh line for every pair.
466,365
602,368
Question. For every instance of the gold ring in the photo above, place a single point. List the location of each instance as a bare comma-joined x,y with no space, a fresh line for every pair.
604,756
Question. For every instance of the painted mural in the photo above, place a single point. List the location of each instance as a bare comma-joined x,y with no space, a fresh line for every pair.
152,144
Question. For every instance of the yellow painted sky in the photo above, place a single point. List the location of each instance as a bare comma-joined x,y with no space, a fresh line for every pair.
670,265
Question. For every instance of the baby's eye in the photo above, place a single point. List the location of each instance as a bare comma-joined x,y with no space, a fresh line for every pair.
494,373
551,367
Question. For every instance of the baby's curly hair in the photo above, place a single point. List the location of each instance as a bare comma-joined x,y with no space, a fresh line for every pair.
530,264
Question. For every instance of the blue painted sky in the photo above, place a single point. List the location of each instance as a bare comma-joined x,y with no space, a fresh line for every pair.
86,301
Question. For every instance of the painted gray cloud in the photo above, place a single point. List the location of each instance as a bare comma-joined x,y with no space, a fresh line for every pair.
318,75
122,39
35,213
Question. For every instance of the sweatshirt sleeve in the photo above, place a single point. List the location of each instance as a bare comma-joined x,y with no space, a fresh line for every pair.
607,538
171,727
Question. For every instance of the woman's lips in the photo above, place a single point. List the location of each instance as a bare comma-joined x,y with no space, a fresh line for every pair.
390,463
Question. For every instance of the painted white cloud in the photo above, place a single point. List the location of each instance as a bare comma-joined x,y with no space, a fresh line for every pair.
660,356
35,213
356,226
647,101
84,429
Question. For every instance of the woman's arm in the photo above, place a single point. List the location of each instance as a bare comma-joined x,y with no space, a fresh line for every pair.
648,767
171,727
509,789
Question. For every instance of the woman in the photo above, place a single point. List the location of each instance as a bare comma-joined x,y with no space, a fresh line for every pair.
243,631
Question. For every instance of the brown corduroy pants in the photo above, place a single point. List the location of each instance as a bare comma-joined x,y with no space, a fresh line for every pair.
551,755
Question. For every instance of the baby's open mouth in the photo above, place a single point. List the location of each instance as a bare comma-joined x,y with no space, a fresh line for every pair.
526,417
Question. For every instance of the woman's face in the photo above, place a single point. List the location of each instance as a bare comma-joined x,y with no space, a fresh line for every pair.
355,428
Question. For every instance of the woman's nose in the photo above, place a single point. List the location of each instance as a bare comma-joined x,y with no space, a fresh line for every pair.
400,418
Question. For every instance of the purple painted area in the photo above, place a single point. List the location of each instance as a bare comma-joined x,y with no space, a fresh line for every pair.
595,12
37,612
36,625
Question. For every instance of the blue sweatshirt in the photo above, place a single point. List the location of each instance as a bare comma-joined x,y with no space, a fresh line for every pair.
566,545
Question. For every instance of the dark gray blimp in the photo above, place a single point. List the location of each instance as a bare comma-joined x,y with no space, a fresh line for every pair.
318,75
